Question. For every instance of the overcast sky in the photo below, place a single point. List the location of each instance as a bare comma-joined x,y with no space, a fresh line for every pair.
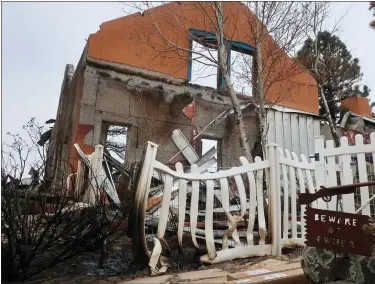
40,38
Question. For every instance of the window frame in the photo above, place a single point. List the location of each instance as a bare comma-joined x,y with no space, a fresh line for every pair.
232,45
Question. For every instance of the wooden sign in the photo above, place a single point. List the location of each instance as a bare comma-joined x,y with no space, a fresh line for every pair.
338,231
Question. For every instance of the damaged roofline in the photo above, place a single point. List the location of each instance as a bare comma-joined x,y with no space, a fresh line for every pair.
290,110
171,86
141,80
349,113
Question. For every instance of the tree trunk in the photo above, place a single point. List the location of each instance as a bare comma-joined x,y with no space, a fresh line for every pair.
329,118
232,93
331,123
263,129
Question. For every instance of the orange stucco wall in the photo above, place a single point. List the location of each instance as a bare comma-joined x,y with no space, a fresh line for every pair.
126,40
357,105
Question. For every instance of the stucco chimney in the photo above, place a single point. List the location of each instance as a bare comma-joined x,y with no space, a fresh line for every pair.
357,105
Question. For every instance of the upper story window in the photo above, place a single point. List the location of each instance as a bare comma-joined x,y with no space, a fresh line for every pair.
203,71
241,72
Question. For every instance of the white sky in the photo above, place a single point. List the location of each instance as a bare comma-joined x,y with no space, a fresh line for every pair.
40,38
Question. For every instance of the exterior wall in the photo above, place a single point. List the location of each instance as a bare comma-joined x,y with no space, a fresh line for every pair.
151,118
126,41
61,152
357,105
293,131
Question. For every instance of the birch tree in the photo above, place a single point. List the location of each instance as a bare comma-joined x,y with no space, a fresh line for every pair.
213,12
276,29
320,12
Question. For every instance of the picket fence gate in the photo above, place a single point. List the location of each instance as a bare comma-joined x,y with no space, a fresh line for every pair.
283,170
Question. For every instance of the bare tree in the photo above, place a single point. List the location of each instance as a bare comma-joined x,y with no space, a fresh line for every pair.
320,12
213,13
372,7
42,225
276,29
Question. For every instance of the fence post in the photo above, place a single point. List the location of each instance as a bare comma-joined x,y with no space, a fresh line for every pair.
274,198
96,159
140,249
320,173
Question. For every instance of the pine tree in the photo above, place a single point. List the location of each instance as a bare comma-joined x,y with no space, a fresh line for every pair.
339,72
372,7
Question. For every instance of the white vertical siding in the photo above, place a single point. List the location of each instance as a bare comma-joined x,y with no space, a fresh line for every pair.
293,131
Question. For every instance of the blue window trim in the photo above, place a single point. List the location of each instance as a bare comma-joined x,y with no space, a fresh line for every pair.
232,45
243,47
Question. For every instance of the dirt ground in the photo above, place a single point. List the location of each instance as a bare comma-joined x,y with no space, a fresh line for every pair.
84,269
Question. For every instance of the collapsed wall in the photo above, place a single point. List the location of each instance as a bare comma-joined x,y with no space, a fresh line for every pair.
151,109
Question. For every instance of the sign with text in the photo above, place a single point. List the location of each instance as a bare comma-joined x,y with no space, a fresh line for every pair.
339,231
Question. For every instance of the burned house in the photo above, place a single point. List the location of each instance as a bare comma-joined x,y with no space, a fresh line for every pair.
121,82
355,118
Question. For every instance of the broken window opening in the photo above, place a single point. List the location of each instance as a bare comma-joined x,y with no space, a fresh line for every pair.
203,71
116,142
242,72
206,145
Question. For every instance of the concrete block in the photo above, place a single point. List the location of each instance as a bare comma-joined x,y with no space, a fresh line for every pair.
172,111
144,106
203,113
155,280
164,113
87,114
164,156
159,132
217,109
251,125
97,128
112,97
202,274
90,86
131,156
139,152
114,118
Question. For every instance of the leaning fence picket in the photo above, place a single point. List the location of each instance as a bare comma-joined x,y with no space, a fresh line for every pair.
293,196
331,174
348,199
194,206
181,204
261,218
301,183
320,171
165,206
242,193
309,178
362,173
210,243
252,203
286,197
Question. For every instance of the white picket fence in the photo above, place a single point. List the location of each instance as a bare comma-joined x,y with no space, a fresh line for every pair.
348,165
287,175
283,171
